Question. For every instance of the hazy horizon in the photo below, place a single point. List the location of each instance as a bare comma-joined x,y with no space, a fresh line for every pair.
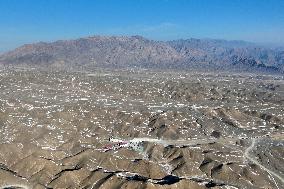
30,21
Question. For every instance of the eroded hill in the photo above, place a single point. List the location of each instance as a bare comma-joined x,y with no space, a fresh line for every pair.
198,130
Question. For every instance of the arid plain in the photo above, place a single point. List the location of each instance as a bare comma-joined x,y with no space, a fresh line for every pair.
198,130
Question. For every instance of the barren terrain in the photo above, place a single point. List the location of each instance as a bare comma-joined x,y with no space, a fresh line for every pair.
198,130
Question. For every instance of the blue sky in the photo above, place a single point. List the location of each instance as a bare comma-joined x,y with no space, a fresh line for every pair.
28,21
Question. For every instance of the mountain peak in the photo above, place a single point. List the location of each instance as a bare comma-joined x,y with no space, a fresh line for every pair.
128,51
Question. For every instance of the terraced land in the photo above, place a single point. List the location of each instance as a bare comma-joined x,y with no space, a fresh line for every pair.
199,130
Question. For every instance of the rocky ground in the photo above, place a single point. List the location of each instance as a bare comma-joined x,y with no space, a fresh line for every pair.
201,130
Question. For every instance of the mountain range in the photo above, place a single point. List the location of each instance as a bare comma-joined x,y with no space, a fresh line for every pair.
137,51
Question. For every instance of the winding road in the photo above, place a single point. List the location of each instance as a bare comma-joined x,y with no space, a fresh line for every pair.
247,155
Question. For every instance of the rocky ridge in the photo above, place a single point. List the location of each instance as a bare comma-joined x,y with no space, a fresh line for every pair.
136,51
